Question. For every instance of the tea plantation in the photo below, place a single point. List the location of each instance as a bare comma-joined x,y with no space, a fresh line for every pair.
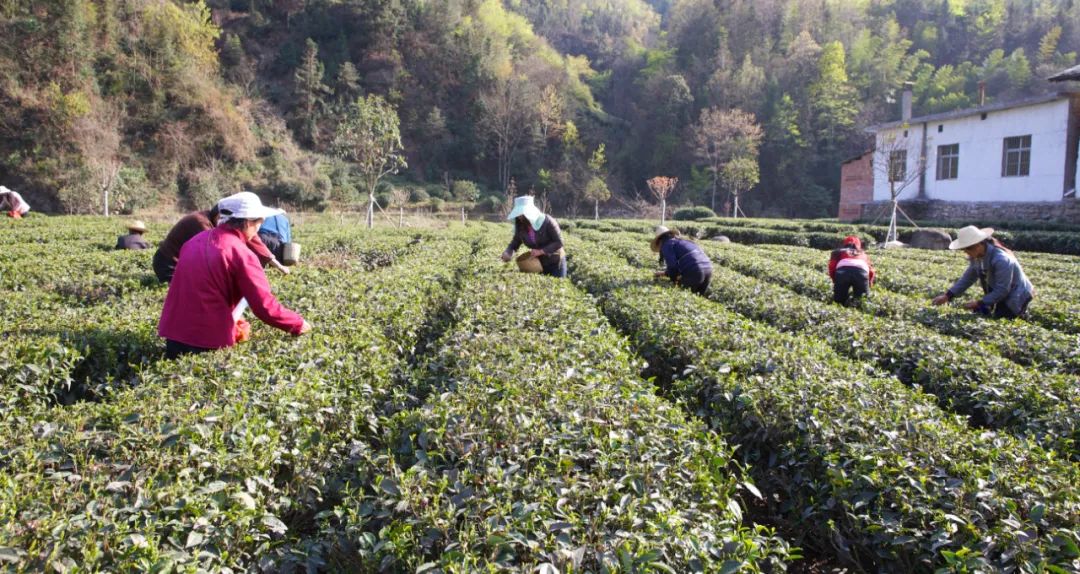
448,414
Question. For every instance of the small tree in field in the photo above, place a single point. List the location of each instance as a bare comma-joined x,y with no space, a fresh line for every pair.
891,162
740,174
723,136
370,136
661,187
399,196
597,190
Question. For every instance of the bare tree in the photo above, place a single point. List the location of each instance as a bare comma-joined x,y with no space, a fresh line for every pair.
98,137
550,111
511,193
721,136
891,162
661,187
509,116
399,196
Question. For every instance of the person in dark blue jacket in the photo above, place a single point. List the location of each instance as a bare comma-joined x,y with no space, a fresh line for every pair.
687,265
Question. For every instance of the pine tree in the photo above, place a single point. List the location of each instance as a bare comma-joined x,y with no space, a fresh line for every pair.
309,92
347,84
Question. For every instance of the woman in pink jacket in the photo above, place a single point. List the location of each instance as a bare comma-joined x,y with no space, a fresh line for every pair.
851,271
217,269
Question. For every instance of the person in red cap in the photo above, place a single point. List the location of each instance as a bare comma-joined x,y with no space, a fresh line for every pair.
217,269
850,270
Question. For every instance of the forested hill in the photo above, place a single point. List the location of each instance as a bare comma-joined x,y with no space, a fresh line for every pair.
161,101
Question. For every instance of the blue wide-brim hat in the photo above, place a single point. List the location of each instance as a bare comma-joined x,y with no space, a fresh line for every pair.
524,205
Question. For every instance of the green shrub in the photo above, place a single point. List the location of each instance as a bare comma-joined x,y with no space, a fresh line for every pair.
383,197
693,213
418,195
465,190
439,192
491,203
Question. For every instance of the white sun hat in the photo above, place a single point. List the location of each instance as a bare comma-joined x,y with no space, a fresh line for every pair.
523,205
970,235
245,205
657,233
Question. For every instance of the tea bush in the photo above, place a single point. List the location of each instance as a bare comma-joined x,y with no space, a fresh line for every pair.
871,470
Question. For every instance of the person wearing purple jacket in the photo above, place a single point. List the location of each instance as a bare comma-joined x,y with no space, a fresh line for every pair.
687,265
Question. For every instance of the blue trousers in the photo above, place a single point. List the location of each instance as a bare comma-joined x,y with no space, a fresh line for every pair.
556,269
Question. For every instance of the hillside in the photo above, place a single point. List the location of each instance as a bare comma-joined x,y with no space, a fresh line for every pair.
159,101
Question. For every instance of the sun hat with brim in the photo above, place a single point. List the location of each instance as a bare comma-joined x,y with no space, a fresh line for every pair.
528,263
970,235
524,205
137,225
245,205
658,232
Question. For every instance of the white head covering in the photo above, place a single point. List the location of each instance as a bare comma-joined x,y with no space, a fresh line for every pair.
659,231
970,235
244,205
524,205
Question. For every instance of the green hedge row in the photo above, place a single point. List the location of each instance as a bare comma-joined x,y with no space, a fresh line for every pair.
1023,342
869,469
215,461
967,377
540,449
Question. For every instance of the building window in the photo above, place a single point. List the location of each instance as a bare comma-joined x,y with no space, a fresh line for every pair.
1016,156
948,161
940,128
898,165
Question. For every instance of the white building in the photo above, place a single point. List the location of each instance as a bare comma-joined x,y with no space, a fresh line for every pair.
1015,152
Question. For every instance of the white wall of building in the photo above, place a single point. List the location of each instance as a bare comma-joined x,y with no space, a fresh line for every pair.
981,143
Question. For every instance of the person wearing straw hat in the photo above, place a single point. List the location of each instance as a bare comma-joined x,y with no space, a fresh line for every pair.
133,240
541,234
13,203
686,264
216,271
1006,289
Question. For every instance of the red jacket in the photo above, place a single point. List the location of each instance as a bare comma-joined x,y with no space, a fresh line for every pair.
851,251
215,270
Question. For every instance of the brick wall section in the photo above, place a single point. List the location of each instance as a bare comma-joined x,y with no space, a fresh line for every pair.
856,186
1067,210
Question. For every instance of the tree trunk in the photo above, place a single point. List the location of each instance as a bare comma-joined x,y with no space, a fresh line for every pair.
735,208
596,209
371,208
712,201
106,191
401,216
890,236
663,210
